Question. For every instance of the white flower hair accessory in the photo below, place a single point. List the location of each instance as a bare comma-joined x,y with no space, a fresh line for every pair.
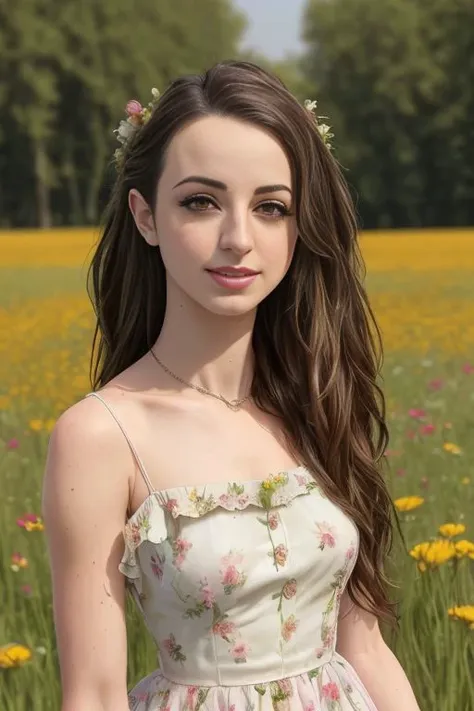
323,128
137,116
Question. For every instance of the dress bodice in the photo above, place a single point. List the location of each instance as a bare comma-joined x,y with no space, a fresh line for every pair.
240,580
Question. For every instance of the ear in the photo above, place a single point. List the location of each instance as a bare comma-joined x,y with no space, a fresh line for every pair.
143,217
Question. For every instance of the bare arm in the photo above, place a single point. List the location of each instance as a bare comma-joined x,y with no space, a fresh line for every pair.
360,641
85,498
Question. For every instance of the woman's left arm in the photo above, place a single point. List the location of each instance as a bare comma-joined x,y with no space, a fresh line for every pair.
360,641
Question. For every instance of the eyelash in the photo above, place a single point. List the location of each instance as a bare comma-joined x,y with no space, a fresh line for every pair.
188,201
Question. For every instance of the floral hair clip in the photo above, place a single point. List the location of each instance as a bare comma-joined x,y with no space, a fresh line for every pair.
137,116
323,128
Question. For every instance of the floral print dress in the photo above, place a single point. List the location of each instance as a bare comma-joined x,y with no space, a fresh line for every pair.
240,583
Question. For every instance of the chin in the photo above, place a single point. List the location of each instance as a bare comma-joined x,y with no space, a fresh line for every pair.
232,309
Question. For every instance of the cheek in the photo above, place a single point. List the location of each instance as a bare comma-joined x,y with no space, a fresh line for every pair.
185,244
279,250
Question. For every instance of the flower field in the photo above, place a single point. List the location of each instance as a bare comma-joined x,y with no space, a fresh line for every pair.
422,289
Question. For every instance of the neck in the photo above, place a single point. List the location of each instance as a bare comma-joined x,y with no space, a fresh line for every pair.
207,349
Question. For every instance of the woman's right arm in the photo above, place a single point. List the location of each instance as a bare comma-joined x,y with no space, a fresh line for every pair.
85,497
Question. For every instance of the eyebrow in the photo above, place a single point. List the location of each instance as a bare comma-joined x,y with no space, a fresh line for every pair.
218,185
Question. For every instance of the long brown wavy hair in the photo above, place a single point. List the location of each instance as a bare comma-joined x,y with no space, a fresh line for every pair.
316,344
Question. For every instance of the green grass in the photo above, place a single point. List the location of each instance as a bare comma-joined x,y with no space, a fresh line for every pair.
436,652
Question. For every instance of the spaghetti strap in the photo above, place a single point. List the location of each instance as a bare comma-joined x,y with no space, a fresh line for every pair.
137,456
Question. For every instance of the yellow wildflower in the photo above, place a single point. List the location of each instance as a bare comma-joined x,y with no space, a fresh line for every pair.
465,480
449,530
465,613
17,562
464,548
431,554
14,655
34,525
36,425
451,448
408,503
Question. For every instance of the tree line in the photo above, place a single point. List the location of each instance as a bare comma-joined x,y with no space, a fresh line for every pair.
395,77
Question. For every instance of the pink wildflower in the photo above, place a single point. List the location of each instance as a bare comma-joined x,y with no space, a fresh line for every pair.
416,413
133,108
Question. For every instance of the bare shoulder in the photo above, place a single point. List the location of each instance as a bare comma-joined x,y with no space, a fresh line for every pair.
88,458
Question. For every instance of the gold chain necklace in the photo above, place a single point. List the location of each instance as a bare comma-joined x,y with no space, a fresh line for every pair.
231,404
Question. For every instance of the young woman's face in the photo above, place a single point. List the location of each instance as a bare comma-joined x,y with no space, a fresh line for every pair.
225,200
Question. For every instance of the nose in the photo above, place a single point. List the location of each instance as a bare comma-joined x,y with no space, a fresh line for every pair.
236,231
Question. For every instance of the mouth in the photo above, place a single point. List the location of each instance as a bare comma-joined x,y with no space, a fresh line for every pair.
232,279
230,272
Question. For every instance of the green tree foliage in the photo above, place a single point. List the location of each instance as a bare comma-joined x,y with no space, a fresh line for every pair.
66,71
397,78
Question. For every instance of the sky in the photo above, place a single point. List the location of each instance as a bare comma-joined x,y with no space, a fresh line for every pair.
274,25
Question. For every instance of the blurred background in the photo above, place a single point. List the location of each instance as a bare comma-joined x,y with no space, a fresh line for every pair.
396,79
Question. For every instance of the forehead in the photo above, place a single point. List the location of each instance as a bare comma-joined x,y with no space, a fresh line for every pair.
235,152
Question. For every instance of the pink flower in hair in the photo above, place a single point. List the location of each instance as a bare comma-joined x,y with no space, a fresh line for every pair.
133,108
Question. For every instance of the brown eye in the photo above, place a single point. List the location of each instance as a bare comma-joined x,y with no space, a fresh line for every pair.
197,203
274,209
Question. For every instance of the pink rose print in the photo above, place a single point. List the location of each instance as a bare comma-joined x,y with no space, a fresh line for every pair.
331,691
157,567
280,554
272,521
326,535
225,629
309,707
289,627
301,479
232,501
134,533
180,548
171,505
350,553
208,596
231,576
289,589
240,651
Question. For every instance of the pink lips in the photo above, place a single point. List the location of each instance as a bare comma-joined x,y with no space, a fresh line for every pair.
233,278
237,271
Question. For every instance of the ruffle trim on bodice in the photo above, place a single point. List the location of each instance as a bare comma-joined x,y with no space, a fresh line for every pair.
149,522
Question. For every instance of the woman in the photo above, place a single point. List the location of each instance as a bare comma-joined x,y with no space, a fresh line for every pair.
236,428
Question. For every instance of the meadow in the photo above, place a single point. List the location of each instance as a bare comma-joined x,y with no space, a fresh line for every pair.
421,285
